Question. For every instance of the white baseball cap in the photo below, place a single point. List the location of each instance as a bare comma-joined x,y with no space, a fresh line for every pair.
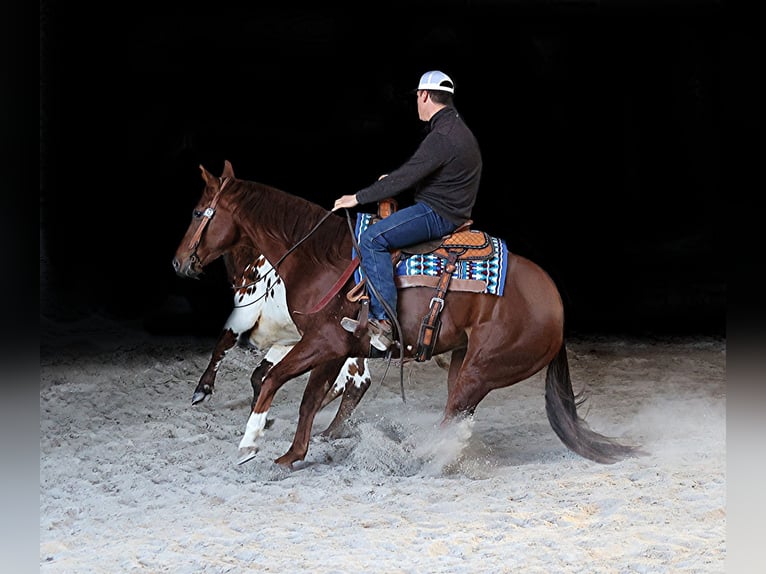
436,80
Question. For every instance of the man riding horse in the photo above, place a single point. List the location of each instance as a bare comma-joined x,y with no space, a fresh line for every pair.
445,171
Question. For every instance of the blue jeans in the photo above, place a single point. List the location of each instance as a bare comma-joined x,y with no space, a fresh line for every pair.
407,226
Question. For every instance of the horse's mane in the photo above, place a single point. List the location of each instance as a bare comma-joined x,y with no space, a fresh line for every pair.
289,218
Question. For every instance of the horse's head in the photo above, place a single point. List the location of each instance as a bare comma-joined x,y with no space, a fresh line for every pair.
212,230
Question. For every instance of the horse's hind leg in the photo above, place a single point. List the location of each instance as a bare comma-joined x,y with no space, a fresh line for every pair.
334,392
356,381
275,354
352,396
500,354
256,378
455,364
463,392
484,367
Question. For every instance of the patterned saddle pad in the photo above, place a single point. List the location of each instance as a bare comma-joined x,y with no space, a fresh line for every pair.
482,272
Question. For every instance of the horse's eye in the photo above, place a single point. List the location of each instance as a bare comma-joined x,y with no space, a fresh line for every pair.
197,213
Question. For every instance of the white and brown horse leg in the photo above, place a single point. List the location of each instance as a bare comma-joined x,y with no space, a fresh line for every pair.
241,320
207,381
275,354
353,382
353,371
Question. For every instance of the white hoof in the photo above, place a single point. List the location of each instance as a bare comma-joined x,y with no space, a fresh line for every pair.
246,454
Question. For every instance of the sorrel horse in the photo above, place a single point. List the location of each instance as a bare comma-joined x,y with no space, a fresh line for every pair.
260,319
495,341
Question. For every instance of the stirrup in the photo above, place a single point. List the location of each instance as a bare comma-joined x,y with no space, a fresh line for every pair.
359,325
380,337
349,324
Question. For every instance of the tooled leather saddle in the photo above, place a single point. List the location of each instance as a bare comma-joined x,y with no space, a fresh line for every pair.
462,244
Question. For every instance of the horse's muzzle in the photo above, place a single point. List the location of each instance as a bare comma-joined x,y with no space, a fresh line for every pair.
188,269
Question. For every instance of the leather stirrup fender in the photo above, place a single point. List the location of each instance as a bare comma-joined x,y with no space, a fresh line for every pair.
431,324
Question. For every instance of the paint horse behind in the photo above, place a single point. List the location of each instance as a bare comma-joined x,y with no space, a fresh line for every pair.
495,341
260,319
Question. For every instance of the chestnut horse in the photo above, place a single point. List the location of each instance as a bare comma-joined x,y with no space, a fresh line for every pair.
260,319
495,341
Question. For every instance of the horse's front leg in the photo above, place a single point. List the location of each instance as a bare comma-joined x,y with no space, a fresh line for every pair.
320,380
241,320
298,361
206,383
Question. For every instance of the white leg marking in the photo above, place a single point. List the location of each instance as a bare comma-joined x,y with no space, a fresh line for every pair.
361,379
349,373
254,429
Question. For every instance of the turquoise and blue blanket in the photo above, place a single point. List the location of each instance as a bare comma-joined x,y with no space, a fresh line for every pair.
491,271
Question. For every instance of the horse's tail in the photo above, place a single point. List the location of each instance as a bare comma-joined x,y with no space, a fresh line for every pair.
561,407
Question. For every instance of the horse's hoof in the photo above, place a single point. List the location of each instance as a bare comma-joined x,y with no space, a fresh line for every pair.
287,460
300,465
198,397
246,454
328,434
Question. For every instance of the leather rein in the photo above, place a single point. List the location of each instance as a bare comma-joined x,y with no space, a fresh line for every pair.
208,214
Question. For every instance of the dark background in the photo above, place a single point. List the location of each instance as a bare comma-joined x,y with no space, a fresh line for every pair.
599,124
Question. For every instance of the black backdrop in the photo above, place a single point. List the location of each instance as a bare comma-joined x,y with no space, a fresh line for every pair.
598,122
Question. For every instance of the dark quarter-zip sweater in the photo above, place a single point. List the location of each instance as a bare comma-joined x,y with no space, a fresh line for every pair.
444,171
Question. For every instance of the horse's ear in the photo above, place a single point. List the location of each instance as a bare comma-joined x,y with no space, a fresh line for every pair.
206,175
228,171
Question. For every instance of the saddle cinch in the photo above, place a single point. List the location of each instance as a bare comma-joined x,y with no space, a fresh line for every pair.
461,244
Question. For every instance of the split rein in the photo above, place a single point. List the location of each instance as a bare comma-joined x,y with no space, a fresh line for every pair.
208,215
356,246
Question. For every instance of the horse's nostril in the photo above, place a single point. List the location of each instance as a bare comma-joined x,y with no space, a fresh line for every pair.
176,264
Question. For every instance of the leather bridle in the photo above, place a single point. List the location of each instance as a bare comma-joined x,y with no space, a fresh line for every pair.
206,216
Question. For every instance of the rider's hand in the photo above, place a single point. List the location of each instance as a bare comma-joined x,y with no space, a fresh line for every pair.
347,201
